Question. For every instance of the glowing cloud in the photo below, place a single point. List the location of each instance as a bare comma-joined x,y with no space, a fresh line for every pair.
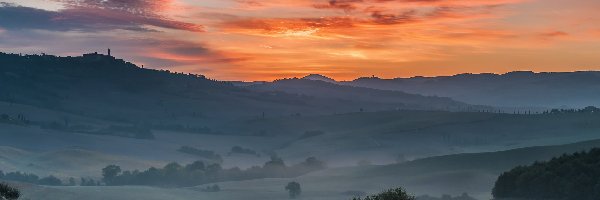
269,39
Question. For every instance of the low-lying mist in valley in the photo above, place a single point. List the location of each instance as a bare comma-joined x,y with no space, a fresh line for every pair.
97,127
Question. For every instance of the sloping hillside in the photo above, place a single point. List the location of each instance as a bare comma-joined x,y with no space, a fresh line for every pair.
382,137
327,89
104,87
520,89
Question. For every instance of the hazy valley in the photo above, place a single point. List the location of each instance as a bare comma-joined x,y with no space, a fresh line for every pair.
70,117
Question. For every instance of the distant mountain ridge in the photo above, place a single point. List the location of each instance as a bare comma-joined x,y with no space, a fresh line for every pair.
513,89
321,87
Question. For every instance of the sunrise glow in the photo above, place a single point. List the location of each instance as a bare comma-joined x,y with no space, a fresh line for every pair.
344,39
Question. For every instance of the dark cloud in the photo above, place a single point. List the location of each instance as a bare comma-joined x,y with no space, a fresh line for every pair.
346,5
90,17
385,18
189,50
179,52
132,6
17,17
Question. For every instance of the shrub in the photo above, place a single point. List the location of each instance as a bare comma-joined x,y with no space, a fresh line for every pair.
8,192
391,194
293,189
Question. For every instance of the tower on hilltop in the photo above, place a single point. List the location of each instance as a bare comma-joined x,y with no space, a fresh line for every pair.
109,52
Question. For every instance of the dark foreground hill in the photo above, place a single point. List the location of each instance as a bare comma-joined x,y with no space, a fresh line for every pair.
570,177
104,87
571,89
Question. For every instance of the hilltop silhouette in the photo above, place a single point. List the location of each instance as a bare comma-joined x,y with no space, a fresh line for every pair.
514,89
319,77
106,87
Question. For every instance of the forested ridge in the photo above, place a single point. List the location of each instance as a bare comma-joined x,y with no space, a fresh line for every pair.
568,177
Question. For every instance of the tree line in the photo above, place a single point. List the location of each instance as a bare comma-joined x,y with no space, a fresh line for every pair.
198,173
568,177
8,192
32,178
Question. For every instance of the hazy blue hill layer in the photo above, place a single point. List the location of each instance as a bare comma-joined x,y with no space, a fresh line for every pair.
340,140
574,89
491,161
109,88
327,89
384,136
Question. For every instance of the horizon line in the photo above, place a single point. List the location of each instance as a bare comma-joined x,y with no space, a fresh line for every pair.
308,74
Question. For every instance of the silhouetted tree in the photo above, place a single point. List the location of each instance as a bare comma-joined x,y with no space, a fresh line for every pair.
109,173
22,177
293,189
9,193
50,180
391,194
198,173
463,196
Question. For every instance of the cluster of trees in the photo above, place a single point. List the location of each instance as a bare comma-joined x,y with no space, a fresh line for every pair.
391,194
294,189
31,178
198,173
210,155
589,109
568,177
464,196
242,150
85,182
19,120
9,193
48,180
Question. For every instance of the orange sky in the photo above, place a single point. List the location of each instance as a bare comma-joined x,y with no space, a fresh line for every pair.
344,39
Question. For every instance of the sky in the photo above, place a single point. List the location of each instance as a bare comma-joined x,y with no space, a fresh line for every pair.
344,39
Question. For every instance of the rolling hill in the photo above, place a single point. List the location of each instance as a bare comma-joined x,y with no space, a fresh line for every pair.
323,88
514,89
108,88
